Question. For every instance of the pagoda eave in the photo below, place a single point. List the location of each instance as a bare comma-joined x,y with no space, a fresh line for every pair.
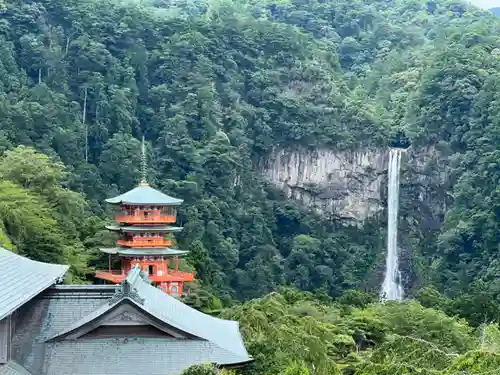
144,228
144,195
141,251
145,203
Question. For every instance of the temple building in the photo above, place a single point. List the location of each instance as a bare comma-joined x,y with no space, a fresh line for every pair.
131,328
145,220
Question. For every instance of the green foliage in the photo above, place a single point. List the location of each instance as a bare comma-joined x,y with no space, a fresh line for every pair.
5,241
412,352
490,338
393,369
396,338
296,368
410,319
39,217
206,369
82,94
216,86
277,335
475,363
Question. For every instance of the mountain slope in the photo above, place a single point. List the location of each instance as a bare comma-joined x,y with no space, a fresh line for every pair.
217,86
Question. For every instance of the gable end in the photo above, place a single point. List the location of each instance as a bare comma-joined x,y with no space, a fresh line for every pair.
122,316
118,331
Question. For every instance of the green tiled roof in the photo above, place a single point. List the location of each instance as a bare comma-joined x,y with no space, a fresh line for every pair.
126,251
22,279
145,195
144,228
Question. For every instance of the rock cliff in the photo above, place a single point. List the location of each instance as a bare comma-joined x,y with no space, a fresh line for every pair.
352,184
348,183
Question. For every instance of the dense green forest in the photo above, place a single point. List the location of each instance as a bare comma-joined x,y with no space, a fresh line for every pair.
214,87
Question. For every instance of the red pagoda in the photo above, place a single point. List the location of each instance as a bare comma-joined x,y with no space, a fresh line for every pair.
145,221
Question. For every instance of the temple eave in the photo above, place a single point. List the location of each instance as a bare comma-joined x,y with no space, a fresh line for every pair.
141,251
133,203
144,228
144,195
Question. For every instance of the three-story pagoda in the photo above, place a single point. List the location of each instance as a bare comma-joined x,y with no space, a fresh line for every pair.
145,220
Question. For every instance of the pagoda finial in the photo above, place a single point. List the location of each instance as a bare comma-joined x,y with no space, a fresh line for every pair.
144,164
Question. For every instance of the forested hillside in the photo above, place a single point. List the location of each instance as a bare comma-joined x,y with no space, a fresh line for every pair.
292,333
213,87
216,86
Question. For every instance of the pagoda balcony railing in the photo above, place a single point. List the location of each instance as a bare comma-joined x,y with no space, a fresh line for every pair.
116,276
145,242
186,276
172,275
133,219
113,272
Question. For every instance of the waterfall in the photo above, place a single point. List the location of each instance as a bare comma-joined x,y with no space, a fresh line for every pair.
391,288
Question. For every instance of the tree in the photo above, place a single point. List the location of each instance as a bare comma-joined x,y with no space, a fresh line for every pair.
207,369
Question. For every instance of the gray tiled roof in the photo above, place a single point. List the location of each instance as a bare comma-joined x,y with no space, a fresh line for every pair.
49,313
144,251
145,194
60,307
22,279
144,228
13,368
151,356
223,333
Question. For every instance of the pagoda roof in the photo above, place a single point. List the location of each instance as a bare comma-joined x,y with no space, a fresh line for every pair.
145,195
179,319
22,279
159,251
144,228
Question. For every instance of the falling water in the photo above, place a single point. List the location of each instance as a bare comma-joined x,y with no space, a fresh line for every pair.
391,288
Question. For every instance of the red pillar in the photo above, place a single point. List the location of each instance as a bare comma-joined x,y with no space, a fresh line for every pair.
164,287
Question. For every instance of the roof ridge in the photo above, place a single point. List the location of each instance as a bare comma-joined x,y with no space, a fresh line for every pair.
135,274
128,287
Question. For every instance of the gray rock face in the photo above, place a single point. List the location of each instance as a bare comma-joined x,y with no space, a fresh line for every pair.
348,183
352,184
